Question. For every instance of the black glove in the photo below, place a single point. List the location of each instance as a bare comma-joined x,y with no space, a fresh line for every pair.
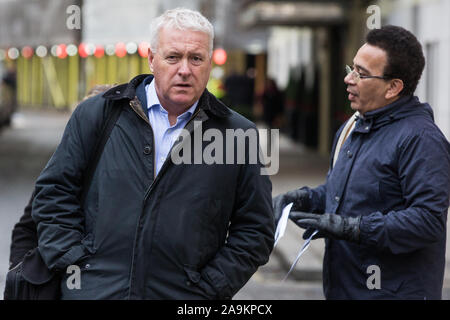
329,225
299,197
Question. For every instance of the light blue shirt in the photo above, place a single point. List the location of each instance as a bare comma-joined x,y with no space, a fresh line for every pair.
165,135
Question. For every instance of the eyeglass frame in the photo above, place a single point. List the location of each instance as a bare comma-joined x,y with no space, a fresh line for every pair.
358,77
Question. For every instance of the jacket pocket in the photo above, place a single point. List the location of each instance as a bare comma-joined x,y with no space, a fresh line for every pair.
196,283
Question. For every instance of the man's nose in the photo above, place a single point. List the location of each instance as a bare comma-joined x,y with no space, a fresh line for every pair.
184,69
349,79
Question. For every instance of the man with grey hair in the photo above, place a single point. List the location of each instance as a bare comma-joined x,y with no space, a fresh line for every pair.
149,228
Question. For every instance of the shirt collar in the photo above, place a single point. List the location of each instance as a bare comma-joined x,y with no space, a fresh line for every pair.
153,100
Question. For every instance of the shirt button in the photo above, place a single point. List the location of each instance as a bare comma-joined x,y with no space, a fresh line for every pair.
337,199
349,154
188,283
147,150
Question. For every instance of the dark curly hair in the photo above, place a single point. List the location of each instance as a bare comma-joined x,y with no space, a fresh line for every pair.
405,58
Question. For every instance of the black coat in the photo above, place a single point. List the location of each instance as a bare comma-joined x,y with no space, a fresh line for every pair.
195,231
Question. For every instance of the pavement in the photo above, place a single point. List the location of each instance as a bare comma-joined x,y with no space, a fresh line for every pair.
28,144
299,166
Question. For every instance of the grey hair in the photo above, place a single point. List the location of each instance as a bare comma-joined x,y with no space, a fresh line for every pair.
182,19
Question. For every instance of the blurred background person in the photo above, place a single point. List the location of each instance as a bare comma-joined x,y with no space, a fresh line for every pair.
8,100
273,104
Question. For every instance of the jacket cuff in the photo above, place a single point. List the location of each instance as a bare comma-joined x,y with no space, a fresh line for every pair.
70,257
368,229
218,282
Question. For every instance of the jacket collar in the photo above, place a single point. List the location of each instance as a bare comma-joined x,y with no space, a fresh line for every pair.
128,91
402,108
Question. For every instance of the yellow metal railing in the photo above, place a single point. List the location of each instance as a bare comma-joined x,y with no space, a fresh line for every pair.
61,83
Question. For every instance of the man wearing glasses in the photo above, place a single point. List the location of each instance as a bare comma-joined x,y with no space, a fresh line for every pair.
383,208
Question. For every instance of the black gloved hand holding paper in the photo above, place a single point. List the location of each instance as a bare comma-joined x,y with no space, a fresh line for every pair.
329,225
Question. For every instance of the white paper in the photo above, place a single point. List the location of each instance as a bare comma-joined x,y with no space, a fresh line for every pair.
282,223
302,250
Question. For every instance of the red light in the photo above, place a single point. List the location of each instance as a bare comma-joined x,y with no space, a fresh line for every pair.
99,51
82,50
61,51
219,56
143,49
27,52
121,50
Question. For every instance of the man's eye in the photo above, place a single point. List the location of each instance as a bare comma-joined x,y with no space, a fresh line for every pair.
172,58
360,72
197,60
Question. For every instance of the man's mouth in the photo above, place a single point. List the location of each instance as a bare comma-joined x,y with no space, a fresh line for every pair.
183,85
351,95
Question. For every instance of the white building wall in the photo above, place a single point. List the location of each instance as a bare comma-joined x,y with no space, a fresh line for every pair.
428,20
278,56
434,27
288,49
111,21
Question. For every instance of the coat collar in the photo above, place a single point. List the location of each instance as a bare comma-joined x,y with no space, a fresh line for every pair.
127,91
402,108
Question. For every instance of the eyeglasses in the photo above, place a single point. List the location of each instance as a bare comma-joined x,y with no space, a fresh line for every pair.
356,76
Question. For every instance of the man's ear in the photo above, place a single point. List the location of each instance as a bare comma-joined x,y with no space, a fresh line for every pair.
150,59
394,89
